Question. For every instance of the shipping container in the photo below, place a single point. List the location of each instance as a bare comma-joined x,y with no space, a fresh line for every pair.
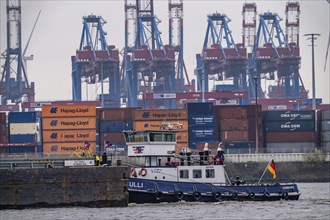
325,146
202,133
54,111
289,115
115,114
325,136
69,123
22,138
299,147
22,128
234,124
303,136
3,117
4,149
22,149
234,136
326,125
326,114
201,120
160,115
68,136
240,147
181,125
182,137
4,138
233,113
66,148
282,126
22,117
112,137
116,150
115,126
200,108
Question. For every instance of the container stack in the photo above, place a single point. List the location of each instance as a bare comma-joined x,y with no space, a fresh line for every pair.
201,122
23,132
290,131
170,119
111,123
236,127
66,128
325,131
3,134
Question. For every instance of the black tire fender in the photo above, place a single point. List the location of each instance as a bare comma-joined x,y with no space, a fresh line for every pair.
252,195
216,196
179,195
285,195
158,195
197,195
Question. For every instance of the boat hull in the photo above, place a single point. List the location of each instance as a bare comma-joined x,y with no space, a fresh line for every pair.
148,191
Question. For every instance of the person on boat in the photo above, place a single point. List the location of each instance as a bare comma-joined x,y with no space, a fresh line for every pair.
104,158
238,182
220,157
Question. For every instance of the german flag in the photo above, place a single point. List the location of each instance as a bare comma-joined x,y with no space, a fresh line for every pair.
272,169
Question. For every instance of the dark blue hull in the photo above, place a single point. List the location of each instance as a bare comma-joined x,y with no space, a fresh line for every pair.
150,191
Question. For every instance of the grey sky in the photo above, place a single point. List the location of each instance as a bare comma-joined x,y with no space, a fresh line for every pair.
57,36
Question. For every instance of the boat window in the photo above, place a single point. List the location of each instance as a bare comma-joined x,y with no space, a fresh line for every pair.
210,173
197,173
136,137
170,137
184,174
156,137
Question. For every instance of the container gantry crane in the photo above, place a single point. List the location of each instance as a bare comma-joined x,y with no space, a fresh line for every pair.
149,64
95,61
221,57
14,84
272,52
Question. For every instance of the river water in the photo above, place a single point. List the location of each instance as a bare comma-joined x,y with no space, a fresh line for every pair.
314,203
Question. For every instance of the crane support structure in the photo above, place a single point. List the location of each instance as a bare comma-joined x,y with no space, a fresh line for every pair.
14,84
221,56
149,64
277,52
95,61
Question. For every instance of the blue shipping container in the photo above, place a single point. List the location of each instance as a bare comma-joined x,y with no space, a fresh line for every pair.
115,126
288,115
290,126
22,117
202,133
201,120
21,149
21,138
200,108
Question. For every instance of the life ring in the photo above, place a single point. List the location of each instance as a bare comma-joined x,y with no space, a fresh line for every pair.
252,195
285,195
143,172
179,195
133,172
234,195
216,196
197,195
158,195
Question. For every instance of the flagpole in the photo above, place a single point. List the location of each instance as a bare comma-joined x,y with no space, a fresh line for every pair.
264,172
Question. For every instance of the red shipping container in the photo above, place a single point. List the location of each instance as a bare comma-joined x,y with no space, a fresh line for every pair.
234,124
234,136
112,137
278,137
115,114
233,113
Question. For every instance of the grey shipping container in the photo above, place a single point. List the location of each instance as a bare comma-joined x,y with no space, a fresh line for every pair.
290,126
326,114
115,126
326,125
288,115
325,136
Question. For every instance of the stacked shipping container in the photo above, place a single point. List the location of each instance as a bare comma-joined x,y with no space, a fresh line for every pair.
111,123
175,119
3,133
66,128
290,131
236,127
23,132
201,122
325,130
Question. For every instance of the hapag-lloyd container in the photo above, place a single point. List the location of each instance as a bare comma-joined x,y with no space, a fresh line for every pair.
67,123
66,148
289,115
181,125
54,111
160,114
69,136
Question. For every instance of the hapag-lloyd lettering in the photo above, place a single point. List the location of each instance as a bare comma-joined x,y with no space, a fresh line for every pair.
72,136
74,111
166,115
75,123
